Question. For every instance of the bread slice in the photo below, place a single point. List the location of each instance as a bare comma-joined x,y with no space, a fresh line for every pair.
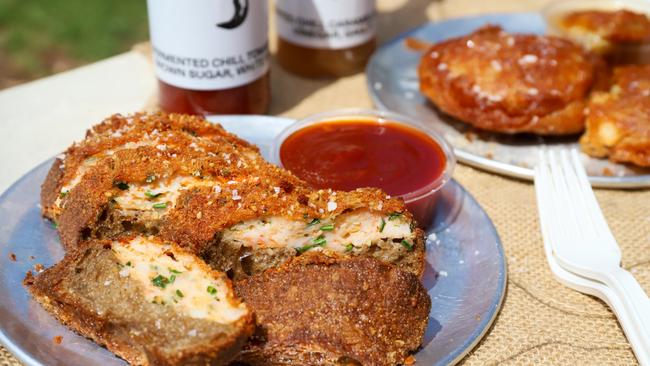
148,302
320,310
191,182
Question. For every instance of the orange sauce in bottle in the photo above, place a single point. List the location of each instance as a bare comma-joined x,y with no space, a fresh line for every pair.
211,57
325,38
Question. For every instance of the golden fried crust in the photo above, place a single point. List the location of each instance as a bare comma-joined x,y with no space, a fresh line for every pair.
617,26
618,122
157,148
510,83
320,310
118,316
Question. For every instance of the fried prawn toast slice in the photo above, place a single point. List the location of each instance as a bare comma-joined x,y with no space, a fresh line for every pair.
599,30
510,83
190,182
320,310
148,302
618,121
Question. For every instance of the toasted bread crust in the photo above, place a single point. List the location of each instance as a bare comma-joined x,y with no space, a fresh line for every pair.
510,83
155,149
618,122
322,310
117,316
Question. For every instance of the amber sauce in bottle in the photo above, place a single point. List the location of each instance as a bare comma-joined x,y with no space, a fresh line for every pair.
325,38
211,57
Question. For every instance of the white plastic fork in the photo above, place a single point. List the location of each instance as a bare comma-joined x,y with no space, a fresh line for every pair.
584,254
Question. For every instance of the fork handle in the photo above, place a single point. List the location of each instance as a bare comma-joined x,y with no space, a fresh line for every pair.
634,298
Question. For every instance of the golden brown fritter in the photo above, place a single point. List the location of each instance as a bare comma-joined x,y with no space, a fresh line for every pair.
622,25
191,182
319,310
510,83
97,294
618,121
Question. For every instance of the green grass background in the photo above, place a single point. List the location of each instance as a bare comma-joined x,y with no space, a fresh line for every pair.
38,35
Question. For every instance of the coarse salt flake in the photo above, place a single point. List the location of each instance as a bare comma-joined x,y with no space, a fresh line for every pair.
192,333
443,273
124,272
442,67
235,195
331,206
276,190
161,147
527,59
217,189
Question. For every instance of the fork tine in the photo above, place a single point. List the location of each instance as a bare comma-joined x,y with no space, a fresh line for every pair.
569,229
589,198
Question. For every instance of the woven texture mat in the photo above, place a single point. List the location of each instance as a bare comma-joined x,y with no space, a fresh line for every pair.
541,321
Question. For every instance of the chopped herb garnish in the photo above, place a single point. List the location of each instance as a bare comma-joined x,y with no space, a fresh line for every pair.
160,205
394,215
63,193
349,247
174,271
320,240
313,222
55,225
128,264
121,185
179,293
212,290
172,278
305,248
150,178
328,227
160,281
407,245
382,225
317,242
151,194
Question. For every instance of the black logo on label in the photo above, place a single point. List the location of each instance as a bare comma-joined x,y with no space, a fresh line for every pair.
237,18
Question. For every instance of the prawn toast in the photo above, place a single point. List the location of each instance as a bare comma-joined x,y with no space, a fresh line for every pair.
320,310
149,302
618,121
510,83
189,181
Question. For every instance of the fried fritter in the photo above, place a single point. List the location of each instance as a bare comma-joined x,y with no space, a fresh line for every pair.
618,121
191,182
599,27
319,310
510,83
146,301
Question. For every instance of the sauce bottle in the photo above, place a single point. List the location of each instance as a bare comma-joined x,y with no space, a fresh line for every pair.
211,56
325,38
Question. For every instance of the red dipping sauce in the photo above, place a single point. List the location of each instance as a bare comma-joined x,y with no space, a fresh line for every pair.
361,150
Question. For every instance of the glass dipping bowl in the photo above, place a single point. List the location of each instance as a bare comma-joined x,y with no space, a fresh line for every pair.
420,202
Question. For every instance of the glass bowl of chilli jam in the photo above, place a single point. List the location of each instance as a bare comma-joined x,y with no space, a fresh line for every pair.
354,148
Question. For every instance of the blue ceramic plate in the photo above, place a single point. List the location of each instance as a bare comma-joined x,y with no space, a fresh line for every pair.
465,273
393,84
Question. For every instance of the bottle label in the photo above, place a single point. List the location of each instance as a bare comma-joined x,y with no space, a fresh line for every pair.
209,44
330,24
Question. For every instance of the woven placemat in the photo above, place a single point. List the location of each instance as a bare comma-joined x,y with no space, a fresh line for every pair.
541,321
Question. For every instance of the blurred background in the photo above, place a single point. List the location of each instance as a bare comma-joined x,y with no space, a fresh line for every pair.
42,37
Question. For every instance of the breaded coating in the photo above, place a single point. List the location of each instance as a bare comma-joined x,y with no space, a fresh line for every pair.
191,182
510,83
319,310
622,25
618,121
145,306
